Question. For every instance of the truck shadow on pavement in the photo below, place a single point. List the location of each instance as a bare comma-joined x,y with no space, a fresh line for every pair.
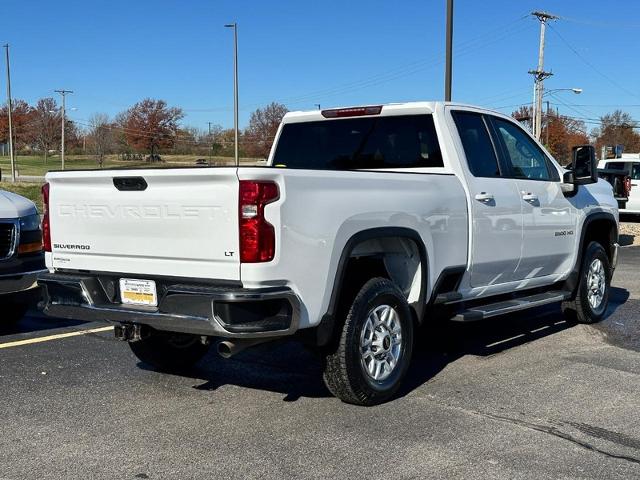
34,321
289,368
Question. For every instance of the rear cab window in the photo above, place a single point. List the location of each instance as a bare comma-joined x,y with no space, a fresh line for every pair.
368,143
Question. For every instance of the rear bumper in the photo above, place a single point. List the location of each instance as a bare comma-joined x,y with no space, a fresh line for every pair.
220,311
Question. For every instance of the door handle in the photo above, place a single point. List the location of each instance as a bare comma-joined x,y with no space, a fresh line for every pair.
634,184
484,197
529,197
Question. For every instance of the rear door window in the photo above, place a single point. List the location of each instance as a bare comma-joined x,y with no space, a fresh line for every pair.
360,143
616,166
478,148
635,171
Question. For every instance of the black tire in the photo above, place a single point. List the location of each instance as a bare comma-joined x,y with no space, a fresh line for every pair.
579,309
11,314
168,351
344,370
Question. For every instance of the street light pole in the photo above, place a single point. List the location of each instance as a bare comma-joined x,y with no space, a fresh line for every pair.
234,25
9,107
63,93
547,122
575,90
449,53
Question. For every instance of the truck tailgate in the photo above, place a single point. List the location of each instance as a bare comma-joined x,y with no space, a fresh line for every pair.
169,222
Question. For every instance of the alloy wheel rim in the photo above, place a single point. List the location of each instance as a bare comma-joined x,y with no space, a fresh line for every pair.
596,283
381,343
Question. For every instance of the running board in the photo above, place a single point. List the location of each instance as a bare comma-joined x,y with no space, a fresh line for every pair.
481,312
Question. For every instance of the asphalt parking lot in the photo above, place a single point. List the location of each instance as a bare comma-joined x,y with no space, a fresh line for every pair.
524,396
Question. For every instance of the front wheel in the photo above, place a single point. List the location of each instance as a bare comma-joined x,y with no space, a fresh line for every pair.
374,348
169,351
592,295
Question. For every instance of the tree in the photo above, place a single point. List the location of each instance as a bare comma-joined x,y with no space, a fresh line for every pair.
22,118
187,141
263,125
618,128
559,133
150,125
524,115
46,125
214,138
100,136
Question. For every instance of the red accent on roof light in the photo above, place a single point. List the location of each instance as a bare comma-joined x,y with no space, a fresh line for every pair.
352,112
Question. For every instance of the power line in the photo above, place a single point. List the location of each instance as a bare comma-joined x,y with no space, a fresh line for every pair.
592,66
601,24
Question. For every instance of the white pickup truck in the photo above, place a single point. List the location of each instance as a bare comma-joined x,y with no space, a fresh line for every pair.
630,165
366,223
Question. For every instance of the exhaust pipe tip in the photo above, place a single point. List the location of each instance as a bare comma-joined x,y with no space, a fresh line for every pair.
226,349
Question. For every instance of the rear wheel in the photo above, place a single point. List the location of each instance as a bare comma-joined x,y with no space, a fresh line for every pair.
374,347
169,351
592,295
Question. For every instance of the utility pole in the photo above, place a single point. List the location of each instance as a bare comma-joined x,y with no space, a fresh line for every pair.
234,25
547,122
539,74
63,93
9,107
449,53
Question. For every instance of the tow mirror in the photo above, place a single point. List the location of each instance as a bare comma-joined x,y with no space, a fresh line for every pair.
584,167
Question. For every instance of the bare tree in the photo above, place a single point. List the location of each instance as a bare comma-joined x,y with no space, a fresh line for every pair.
101,136
263,125
46,125
618,128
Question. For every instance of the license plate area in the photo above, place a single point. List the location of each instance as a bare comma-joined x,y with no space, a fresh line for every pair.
138,292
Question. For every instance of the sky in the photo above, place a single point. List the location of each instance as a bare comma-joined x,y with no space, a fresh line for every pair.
333,53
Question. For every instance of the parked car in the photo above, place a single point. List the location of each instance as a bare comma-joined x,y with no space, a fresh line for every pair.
628,165
366,223
21,256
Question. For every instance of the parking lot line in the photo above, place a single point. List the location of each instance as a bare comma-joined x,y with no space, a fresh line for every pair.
59,336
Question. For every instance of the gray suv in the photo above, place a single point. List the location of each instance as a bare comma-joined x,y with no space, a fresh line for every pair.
21,256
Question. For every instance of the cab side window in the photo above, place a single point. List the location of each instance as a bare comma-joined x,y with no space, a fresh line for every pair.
478,148
635,171
522,155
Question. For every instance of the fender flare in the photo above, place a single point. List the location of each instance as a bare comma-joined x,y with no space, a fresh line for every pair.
325,328
574,276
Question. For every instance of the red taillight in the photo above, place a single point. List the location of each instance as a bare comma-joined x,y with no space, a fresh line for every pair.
627,186
352,112
257,236
46,227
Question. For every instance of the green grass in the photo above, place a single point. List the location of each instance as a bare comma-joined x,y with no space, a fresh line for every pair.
29,190
35,166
